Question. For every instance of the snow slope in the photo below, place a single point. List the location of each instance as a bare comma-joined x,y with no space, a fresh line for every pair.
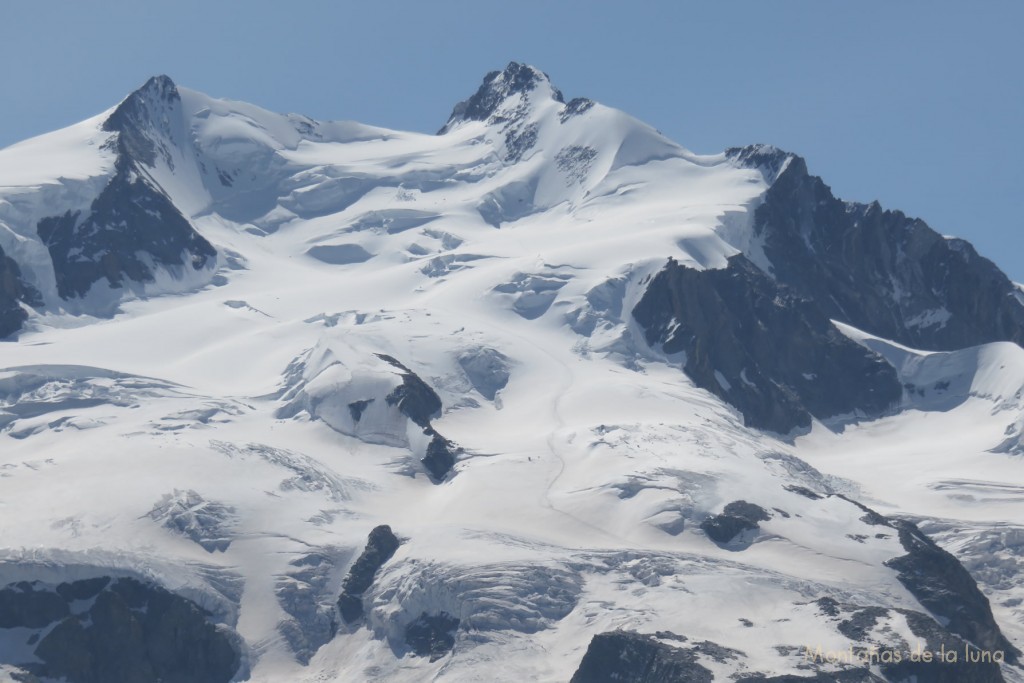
205,439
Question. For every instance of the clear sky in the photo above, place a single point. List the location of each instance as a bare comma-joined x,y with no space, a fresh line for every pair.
916,103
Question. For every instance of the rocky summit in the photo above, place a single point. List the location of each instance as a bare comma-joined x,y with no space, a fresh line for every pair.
544,396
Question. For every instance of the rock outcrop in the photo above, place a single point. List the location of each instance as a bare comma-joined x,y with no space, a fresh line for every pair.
432,635
132,228
942,585
761,348
486,103
380,547
417,401
737,518
13,292
627,657
880,271
106,629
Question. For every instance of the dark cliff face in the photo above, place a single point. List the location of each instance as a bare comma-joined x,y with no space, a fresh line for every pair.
414,397
630,657
878,270
940,583
102,630
417,401
943,586
758,346
431,635
761,339
664,657
141,114
737,518
13,292
868,626
380,547
132,227
495,89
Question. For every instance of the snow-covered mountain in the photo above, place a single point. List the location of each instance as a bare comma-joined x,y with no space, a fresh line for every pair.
544,396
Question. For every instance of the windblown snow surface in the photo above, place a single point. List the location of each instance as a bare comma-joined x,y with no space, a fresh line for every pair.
231,435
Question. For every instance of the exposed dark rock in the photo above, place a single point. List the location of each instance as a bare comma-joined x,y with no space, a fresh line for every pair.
356,408
495,89
142,113
82,589
937,655
878,270
130,632
417,401
724,528
771,354
747,511
767,159
632,657
716,652
432,635
738,517
828,606
130,227
969,666
870,517
575,107
380,547
519,141
351,607
414,398
627,657
491,103
24,606
942,585
859,625
14,291
803,491
440,457
575,161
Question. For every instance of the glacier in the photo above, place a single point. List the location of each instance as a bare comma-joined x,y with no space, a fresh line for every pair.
619,403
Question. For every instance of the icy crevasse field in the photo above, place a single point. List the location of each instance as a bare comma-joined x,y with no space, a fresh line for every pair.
203,437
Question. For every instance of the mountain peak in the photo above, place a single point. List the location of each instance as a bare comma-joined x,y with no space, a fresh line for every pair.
140,112
768,159
498,87
157,90
159,84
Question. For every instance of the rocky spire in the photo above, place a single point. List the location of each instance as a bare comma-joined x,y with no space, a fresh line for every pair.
490,101
145,112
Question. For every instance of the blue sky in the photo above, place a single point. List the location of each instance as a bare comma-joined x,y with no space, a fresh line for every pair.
917,104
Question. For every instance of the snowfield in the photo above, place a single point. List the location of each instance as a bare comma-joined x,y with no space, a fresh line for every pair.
233,432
